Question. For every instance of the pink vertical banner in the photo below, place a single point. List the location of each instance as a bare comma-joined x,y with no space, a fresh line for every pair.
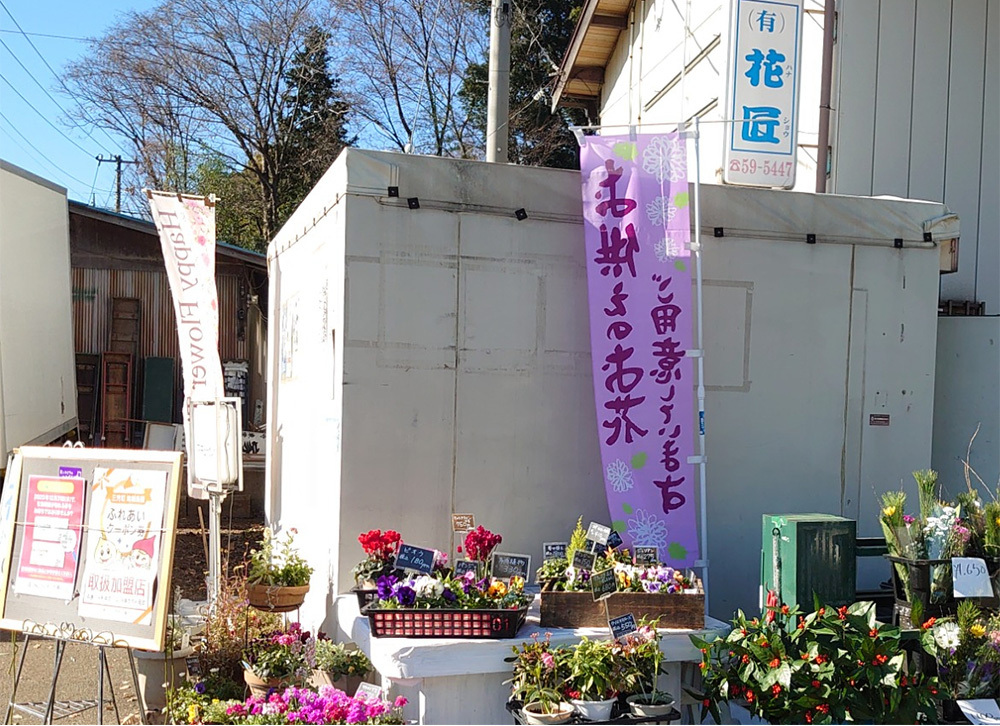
637,230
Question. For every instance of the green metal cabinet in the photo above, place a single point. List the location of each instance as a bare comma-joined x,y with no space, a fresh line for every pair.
807,553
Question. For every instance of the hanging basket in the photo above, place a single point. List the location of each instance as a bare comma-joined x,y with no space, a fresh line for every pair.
260,687
276,598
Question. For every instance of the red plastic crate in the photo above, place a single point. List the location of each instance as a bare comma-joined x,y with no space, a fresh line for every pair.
409,623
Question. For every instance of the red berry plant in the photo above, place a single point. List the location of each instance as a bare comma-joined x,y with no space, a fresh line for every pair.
834,665
380,554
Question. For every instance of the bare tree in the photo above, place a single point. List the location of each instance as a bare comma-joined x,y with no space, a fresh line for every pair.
405,61
185,81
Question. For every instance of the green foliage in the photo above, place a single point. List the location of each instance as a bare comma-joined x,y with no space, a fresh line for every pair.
338,661
552,569
967,651
278,563
196,702
991,531
537,136
577,540
927,488
833,665
592,670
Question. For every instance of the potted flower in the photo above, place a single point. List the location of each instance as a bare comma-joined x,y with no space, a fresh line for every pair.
966,650
442,605
640,658
380,553
539,674
301,705
277,576
276,660
592,685
833,665
339,665
479,546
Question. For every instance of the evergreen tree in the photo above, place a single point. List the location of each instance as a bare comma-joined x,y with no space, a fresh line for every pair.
540,33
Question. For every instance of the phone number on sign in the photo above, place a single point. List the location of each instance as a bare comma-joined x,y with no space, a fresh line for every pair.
781,169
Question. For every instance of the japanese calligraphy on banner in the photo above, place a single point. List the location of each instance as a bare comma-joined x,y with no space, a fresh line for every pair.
125,525
765,42
637,230
52,535
186,226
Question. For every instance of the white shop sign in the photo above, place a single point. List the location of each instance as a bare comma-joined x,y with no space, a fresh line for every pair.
763,93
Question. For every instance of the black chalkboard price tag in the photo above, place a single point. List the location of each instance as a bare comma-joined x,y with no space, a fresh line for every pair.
622,625
604,584
463,566
193,666
505,566
584,560
554,550
598,533
614,540
647,555
415,558
370,690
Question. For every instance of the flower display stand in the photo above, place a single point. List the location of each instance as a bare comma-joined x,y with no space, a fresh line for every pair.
619,714
560,609
920,574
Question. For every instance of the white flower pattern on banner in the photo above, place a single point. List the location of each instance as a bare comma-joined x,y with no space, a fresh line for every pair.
647,530
665,158
668,249
660,211
619,476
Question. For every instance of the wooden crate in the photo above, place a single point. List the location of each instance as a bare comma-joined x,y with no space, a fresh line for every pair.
578,609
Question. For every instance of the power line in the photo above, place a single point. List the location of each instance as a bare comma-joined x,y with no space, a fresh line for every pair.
51,69
45,91
43,116
47,35
53,164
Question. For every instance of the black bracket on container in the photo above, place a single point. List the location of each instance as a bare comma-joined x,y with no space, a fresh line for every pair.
898,243
393,191
810,239
719,232
928,237
413,202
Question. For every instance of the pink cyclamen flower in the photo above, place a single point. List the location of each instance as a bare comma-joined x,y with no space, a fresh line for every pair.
548,661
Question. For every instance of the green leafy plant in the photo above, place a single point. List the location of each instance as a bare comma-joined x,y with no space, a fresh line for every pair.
195,702
281,654
593,671
278,563
830,666
338,661
552,570
540,671
577,540
638,659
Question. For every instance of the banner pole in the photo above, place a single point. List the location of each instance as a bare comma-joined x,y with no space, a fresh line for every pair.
696,248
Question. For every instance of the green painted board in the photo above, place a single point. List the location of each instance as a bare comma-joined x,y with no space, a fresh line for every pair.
158,390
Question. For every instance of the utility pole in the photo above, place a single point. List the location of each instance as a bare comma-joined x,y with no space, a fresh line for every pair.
498,99
117,158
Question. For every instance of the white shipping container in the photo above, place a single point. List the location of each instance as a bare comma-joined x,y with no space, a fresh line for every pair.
37,364
429,354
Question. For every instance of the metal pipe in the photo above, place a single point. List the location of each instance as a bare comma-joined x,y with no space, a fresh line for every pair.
696,249
823,152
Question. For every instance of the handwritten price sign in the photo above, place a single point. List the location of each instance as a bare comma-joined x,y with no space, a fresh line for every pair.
970,577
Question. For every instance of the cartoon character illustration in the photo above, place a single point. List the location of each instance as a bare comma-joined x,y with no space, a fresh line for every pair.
142,554
105,550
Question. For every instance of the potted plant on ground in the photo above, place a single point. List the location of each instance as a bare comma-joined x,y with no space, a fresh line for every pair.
158,671
592,685
277,576
539,674
833,665
640,657
277,660
380,553
339,665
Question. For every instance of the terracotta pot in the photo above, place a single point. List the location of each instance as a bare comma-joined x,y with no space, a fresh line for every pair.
533,713
276,598
594,710
347,684
260,687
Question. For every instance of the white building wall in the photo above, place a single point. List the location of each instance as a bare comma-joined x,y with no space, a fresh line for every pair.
653,50
916,115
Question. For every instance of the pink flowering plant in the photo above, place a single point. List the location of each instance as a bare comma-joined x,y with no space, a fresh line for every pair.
541,672
326,706
285,654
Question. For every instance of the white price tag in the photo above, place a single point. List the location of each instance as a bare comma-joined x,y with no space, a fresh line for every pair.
981,710
970,577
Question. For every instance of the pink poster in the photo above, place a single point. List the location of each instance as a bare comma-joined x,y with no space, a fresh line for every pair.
637,231
50,549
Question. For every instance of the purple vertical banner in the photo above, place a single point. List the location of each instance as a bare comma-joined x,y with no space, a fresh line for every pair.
637,231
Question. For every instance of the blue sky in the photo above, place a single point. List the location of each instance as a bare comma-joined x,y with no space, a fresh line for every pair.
40,139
